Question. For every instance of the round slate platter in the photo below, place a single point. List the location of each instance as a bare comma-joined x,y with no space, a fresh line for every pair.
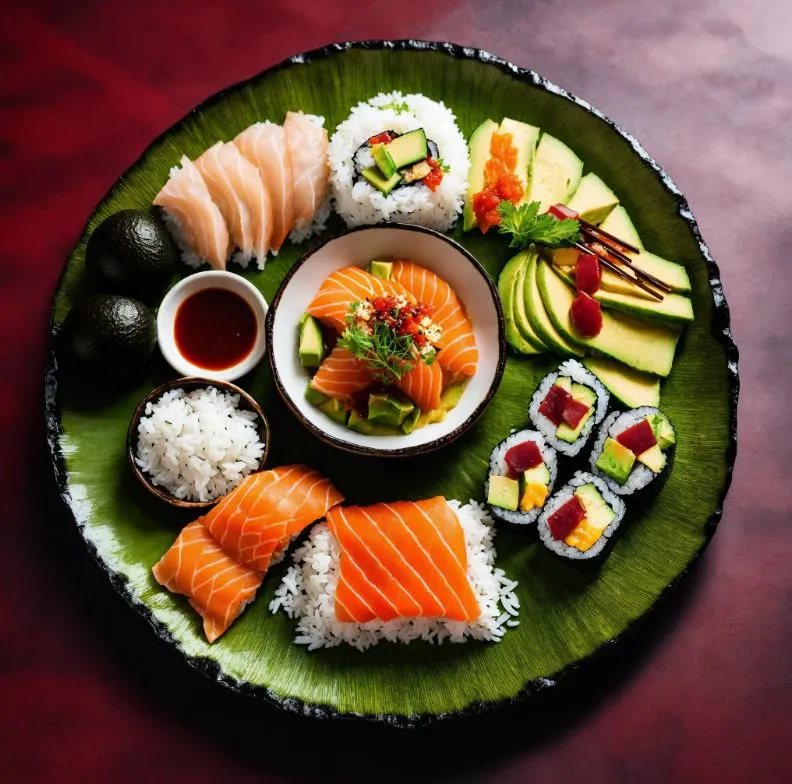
567,616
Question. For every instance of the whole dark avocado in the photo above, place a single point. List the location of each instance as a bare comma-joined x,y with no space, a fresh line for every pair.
131,252
109,333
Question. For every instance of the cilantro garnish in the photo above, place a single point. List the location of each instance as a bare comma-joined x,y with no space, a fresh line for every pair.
397,107
388,355
526,225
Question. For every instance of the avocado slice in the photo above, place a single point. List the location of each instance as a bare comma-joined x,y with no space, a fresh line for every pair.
674,275
565,383
521,315
538,315
663,430
384,160
633,388
556,173
653,458
504,492
314,397
537,475
593,200
582,394
620,225
381,269
408,148
615,460
374,177
385,409
479,149
362,425
524,138
411,421
336,410
510,287
598,517
311,349
643,345
673,308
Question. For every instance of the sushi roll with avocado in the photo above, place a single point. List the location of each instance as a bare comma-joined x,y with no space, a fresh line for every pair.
567,405
579,520
522,472
633,449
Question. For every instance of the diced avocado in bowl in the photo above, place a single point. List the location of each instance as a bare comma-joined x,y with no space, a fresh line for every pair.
381,269
385,409
311,349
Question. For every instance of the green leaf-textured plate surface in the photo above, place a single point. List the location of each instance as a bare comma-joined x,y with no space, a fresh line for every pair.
565,616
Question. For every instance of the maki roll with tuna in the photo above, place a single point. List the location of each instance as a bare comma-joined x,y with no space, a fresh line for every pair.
522,472
633,449
579,520
567,405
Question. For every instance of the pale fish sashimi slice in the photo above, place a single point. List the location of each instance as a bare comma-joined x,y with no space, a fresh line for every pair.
400,560
200,229
264,144
217,587
238,190
307,142
341,375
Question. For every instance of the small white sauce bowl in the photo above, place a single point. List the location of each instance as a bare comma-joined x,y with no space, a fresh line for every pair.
166,321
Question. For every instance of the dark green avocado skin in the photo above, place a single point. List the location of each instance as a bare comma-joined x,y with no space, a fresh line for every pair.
109,333
131,252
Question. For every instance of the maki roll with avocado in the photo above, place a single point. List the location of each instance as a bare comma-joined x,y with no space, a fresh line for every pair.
633,449
522,472
579,520
567,405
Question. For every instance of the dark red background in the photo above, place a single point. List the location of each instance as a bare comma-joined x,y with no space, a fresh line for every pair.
703,693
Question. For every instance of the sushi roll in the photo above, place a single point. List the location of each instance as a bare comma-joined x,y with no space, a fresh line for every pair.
522,472
579,520
633,449
567,405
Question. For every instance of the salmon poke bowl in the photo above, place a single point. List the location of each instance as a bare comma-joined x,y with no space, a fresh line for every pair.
483,411
387,340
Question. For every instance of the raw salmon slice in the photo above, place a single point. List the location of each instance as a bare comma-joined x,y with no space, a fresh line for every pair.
423,384
217,587
345,286
264,144
459,353
238,190
341,375
307,143
200,226
258,519
401,560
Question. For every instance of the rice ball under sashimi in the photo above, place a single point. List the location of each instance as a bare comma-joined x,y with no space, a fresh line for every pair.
359,203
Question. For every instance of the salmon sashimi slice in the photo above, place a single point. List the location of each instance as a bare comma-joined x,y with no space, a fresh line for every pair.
401,560
423,385
345,286
238,190
264,144
217,587
459,353
341,375
200,229
307,142
256,521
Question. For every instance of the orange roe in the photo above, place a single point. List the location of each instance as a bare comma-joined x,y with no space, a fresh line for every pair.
500,182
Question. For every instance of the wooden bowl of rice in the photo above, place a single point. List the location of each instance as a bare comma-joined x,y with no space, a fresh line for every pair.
205,470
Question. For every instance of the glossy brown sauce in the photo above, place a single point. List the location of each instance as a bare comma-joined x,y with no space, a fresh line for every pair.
215,329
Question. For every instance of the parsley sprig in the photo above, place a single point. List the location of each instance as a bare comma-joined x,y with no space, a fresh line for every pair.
527,225
388,355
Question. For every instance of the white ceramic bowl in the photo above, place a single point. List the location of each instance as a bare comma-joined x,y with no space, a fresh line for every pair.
213,279
358,246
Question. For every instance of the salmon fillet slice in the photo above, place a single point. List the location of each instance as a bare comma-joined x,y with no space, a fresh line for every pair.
341,375
459,353
423,384
401,560
217,587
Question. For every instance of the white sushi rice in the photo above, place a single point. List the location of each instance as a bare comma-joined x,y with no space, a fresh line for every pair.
198,445
173,225
560,547
307,594
579,375
362,204
616,423
498,467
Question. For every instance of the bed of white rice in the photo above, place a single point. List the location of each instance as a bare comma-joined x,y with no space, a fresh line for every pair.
198,445
579,375
360,203
498,467
307,594
560,498
616,423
